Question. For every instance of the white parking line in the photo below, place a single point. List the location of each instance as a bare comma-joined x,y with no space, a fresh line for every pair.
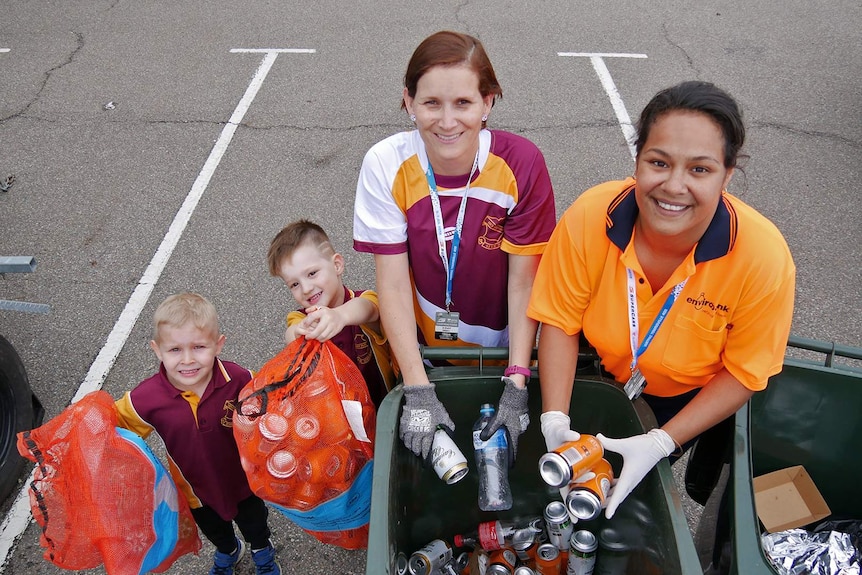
598,62
18,518
4,50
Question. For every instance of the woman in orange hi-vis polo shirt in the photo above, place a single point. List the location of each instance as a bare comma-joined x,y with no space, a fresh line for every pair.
685,291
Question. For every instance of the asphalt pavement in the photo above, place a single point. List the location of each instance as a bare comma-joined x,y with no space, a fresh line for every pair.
158,147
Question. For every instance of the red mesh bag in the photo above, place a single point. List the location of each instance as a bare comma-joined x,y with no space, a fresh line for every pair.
305,431
101,496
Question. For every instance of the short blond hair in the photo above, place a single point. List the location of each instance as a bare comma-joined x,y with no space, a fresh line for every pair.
291,237
186,308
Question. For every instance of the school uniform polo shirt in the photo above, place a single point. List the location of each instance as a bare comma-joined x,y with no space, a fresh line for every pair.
734,311
197,433
509,210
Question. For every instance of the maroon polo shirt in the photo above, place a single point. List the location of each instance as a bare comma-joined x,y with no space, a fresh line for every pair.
204,450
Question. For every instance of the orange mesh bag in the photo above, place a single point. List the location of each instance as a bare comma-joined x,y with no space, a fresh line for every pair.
101,496
305,431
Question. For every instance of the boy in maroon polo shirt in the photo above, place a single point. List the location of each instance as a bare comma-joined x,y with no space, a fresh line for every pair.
190,404
304,258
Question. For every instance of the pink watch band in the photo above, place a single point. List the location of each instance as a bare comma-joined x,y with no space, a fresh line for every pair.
513,369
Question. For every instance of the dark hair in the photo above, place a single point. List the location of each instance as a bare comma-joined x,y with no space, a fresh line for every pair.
447,48
291,237
702,97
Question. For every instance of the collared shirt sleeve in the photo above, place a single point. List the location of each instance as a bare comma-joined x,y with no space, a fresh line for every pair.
561,290
128,418
531,220
757,341
379,222
376,334
294,317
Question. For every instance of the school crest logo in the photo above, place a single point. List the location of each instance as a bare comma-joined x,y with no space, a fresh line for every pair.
227,418
492,233
363,349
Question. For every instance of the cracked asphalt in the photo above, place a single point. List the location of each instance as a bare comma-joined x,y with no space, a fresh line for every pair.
110,109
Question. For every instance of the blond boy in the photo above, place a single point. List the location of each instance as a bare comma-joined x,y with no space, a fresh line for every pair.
190,404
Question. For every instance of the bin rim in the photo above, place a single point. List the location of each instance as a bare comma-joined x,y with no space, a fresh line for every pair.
745,524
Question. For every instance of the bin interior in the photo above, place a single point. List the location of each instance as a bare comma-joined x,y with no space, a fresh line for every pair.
411,505
808,415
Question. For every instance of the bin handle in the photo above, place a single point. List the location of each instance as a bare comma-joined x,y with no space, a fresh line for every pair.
830,349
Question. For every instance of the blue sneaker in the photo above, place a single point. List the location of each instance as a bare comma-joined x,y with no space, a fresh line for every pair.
223,563
264,561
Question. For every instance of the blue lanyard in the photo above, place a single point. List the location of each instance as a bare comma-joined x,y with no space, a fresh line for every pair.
449,261
637,351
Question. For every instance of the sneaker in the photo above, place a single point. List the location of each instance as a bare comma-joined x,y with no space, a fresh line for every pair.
223,563
264,561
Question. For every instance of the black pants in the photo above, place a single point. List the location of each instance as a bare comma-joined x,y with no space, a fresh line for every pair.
251,518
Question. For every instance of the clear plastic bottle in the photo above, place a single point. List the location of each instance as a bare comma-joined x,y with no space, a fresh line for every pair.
492,463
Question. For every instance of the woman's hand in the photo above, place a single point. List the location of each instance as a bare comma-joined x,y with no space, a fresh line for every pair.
640,454
420,417
512,415
557,429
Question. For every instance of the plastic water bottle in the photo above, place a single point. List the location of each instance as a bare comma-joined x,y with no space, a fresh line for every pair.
492,462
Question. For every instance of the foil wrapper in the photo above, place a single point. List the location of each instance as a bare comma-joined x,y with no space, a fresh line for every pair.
800,552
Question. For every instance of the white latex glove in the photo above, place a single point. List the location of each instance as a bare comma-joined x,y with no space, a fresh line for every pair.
557,429
640,454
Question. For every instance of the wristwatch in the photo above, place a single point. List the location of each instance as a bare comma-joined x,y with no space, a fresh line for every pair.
513,369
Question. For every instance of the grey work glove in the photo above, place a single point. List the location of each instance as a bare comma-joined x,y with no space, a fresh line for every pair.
420,417
512,415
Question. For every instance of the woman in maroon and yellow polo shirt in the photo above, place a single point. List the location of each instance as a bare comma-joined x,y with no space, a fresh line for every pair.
680,286
456,216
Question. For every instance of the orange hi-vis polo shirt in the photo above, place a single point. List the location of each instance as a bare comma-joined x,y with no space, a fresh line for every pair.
734,311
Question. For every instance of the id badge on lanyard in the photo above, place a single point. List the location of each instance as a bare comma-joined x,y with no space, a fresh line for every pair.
637,382
446,322
446,325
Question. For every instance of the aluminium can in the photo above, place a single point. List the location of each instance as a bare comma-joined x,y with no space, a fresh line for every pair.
448,461
524,570
570,460
460,562
548,559
430,558
501,562
400,564
582,553
586,498
583,503
558,524
524,543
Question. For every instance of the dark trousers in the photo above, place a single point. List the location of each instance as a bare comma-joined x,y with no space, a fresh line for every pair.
251,518
704,466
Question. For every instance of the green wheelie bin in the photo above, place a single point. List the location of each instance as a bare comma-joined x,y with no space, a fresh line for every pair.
411,506
808,415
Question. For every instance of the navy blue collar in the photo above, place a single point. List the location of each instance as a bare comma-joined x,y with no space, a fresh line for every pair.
716,242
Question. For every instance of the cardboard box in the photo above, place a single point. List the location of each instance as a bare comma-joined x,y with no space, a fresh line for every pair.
788,498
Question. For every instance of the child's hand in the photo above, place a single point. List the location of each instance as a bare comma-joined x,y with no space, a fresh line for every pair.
321,323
